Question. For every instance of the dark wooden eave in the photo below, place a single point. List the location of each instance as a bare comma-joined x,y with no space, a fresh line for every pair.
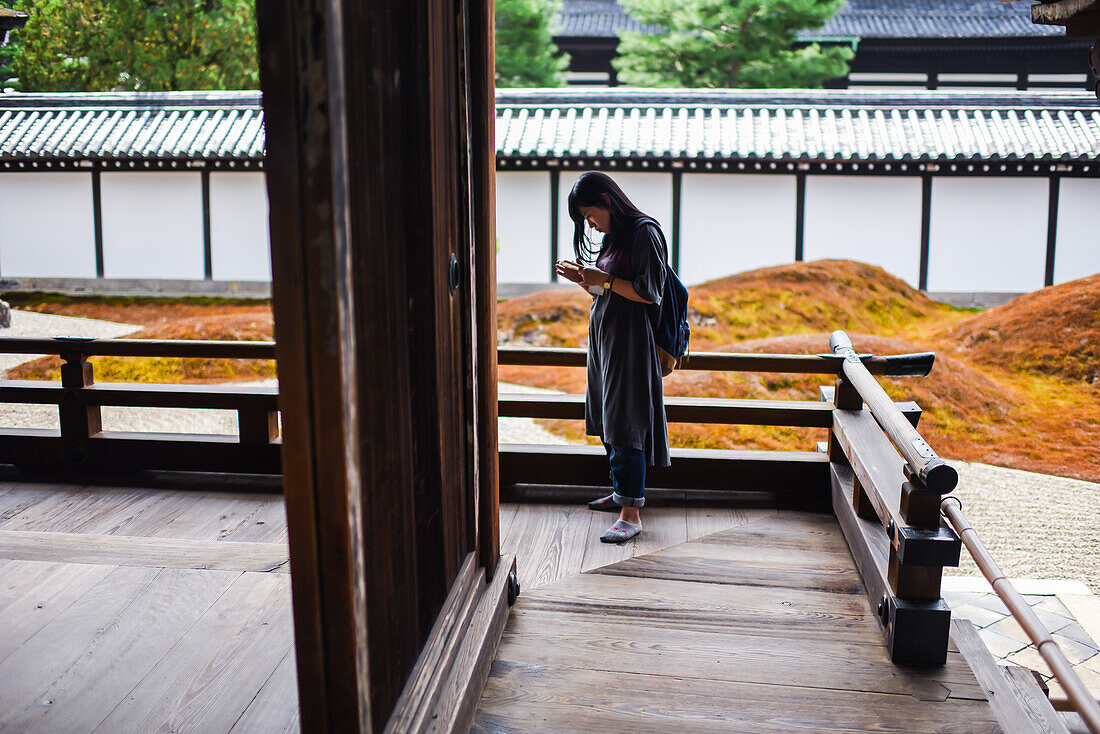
11,20
1081,18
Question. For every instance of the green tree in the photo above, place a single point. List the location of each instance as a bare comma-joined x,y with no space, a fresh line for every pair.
136,45
526,55
729,43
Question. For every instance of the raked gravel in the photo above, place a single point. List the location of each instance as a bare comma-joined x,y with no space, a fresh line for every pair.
1036,525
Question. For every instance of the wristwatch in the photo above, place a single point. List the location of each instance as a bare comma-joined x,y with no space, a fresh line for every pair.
610,280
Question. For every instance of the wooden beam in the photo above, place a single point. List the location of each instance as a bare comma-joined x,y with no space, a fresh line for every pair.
807,413
1062,11
808,364
481,60
915,632
131,451
1019,709
800,476
301,52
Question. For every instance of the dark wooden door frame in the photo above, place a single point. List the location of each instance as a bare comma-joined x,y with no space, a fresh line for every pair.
380,166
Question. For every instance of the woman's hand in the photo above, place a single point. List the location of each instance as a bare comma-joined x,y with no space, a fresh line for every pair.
570,271
593,276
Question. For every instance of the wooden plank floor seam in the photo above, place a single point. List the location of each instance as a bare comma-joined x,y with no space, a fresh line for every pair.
759,627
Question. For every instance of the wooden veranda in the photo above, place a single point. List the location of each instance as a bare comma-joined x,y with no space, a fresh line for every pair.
778,590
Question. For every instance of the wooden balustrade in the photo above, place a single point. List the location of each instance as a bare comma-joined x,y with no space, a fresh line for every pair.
81,441
887,503
888,506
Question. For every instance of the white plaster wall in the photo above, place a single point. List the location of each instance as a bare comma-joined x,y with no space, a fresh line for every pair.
732,222
871,219
987,234
47,226
152,225
1077,246
650,192
523,227
239,243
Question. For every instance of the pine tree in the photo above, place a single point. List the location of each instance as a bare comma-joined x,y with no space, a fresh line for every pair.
526,55
136,45
729,43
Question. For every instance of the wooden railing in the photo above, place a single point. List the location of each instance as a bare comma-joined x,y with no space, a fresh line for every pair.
81,440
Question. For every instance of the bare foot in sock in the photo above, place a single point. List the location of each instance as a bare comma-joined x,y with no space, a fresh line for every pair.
621,531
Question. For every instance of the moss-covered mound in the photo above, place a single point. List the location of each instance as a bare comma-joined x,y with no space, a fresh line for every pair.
257,326
1054,331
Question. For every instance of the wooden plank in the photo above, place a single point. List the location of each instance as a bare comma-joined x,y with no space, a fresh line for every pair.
749,608
795,474
45,449
807,413
418,700
35,663
105,652
1026,688
22,498
77,509
457,705
274,710
916,631
548,541
588,642
726,361
312,302
1017,713
116,550
208,678
266,525
214,516
530,698
144,395
754,568
37,593
188,348
480,53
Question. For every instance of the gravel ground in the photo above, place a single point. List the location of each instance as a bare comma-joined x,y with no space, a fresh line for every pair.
1036,525
30,324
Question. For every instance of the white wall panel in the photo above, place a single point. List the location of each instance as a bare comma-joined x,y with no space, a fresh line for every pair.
523,227
239,242
47,226
988,234
1077,247
152,225
871,219
650,192
731,222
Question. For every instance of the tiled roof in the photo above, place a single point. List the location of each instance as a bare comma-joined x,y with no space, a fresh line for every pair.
857,19
815,125
129,126
618,123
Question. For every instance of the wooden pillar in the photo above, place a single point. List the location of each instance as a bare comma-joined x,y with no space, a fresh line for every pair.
78,422
380,180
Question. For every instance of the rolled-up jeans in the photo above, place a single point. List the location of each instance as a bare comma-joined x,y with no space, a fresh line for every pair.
627,475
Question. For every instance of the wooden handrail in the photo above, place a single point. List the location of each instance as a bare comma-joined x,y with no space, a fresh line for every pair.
917,365
822,364
1083,701
923,462
185,348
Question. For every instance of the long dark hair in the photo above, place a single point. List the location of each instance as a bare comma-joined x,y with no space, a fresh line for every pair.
594,188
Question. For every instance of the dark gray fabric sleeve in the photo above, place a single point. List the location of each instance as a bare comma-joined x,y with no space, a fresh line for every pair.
647,258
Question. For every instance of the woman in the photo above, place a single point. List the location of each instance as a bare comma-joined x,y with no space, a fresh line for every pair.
624,404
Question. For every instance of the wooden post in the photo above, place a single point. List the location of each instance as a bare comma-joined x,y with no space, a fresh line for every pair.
257,426
379,128
482,104
79,422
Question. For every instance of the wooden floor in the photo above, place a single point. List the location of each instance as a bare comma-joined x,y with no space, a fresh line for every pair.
134,610
761,627
130,610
